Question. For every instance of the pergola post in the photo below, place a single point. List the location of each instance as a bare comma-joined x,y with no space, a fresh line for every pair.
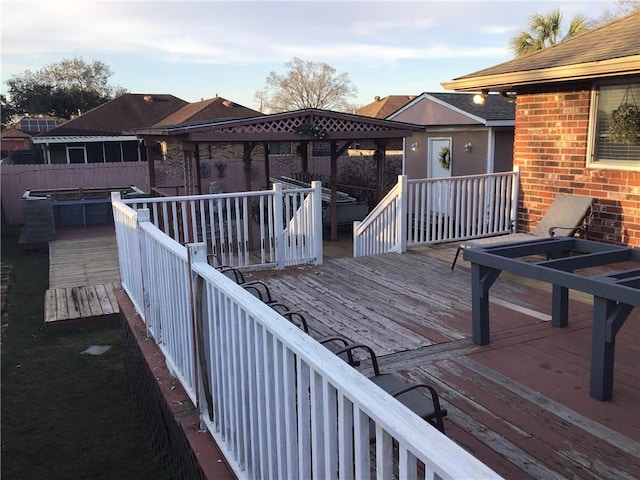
380,158
335,153
267,173
151,166
246,159
187,155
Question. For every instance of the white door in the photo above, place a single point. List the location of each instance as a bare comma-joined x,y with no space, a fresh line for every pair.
436,146
440,191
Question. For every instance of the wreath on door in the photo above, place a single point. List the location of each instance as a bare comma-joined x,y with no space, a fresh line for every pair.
444,157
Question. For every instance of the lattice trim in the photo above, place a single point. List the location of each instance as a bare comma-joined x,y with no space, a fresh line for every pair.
290,125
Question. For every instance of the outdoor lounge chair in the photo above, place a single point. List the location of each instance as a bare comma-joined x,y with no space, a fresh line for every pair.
567,215
406,392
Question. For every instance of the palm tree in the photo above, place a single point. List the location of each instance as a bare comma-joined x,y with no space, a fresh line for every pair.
545,30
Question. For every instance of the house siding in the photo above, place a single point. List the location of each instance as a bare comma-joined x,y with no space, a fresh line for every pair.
550,147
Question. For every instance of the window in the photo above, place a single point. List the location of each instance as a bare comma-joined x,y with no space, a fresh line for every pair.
77,154
602,151
95,154
130,152
280,148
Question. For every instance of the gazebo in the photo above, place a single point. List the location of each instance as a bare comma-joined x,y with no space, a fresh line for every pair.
302,126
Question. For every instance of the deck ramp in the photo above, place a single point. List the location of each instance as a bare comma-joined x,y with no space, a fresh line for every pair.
83,273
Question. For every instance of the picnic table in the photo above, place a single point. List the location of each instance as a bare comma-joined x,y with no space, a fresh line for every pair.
615,293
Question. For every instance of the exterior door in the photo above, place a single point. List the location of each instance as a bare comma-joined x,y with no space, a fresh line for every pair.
435,169
440,192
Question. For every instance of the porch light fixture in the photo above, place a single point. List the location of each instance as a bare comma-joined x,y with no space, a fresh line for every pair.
467,147
479,98
508,96
414,146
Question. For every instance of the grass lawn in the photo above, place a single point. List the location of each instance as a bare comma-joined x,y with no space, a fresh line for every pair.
64,415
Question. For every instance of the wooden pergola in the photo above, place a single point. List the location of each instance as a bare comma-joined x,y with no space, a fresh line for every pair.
302,126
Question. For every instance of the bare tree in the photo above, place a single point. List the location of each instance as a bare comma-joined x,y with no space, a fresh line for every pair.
622,8
306,85
546,30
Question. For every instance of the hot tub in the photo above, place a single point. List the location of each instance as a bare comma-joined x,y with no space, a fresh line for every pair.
75,206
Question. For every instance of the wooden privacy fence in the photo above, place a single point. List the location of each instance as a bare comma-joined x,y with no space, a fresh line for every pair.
437,210
278,403
16,179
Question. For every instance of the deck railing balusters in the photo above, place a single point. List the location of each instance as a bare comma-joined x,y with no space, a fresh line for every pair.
438,210
283,405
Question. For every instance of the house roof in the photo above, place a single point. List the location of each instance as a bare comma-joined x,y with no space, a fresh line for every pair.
14,133
495,110
211,109
383,107
126,112
292,126
612,49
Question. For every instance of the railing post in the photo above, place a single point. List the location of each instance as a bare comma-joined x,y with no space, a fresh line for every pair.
515,191
144,216
316,232
402,214
356,240
197,252
278,227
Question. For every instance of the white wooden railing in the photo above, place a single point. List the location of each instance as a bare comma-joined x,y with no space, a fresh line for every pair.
279,404
245,229
436,210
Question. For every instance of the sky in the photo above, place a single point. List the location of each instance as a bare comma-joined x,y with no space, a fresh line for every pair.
201,49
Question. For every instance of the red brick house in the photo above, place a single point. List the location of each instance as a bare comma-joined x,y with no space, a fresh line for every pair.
565,95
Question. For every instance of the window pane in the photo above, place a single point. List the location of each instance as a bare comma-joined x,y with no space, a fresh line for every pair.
279,148
130,151
58,154
76,154
94,153
610,97
112,151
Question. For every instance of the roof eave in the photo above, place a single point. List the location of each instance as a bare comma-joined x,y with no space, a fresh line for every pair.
83,139
583,71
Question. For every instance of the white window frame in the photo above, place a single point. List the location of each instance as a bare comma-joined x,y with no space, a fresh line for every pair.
76,147
604,164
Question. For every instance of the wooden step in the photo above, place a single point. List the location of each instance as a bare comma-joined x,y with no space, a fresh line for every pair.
77,305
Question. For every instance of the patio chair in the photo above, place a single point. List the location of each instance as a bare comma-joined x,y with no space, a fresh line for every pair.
567,215
406,392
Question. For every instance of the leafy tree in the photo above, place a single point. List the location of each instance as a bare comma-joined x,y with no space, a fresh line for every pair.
546,30
306,85
62,89
7,111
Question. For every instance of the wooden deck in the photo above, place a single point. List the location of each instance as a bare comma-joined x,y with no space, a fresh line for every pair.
83,272
521,404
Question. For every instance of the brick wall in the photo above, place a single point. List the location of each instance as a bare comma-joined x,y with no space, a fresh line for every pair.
551,148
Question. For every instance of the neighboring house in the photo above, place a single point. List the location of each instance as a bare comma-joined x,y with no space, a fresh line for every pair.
16,140
565,95
211,158
97,136
216,108
479,138
380,108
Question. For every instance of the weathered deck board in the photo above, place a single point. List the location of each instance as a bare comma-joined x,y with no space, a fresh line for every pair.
84,302
84,261
82,275
520,404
